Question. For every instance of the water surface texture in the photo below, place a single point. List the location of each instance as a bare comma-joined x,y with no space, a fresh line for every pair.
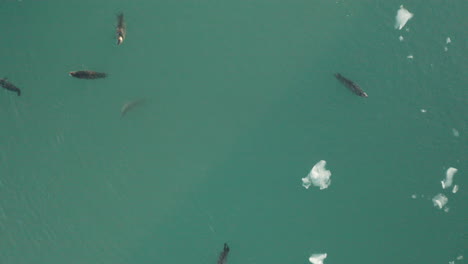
240,102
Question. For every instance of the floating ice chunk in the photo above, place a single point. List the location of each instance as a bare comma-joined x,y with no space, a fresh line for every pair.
423,110
317,258
446,209
460,257
448,178
410,56
402,17
401,38
455,189
445,48
448,40
318,176
414,196
455,132
440,200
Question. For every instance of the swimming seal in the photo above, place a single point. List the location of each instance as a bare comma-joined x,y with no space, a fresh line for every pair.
129,106
87,74
9,86
223,256
121,28
351,85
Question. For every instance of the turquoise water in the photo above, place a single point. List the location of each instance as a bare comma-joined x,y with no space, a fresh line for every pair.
241,103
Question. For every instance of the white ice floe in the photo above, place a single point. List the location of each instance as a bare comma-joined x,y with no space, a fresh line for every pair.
402,17
448,178
445,48
401,38
410,56
317,258
318,176
455,132
460,257
440,200
414,196
455,189
423,110
448,40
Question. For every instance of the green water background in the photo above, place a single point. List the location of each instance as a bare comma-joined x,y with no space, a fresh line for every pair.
241,102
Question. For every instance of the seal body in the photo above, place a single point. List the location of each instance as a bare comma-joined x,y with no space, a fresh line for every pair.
9,86
130,105
121,29
223,256
87,74
354,87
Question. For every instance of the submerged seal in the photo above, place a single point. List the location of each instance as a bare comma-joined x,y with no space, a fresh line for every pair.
130,105
9,86
223,256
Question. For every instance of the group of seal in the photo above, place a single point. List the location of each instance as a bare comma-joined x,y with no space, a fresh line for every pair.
121,33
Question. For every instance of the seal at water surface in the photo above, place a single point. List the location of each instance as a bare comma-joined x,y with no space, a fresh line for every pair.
354,87
121,29
9,86
223,256
87,74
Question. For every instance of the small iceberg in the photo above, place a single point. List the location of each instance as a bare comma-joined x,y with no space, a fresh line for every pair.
402,17
440,200
448,178
317,258
455,189
318,176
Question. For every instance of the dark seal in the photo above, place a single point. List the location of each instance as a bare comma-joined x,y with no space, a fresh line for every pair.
9,86
354,87
121,29
87,74
223,256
